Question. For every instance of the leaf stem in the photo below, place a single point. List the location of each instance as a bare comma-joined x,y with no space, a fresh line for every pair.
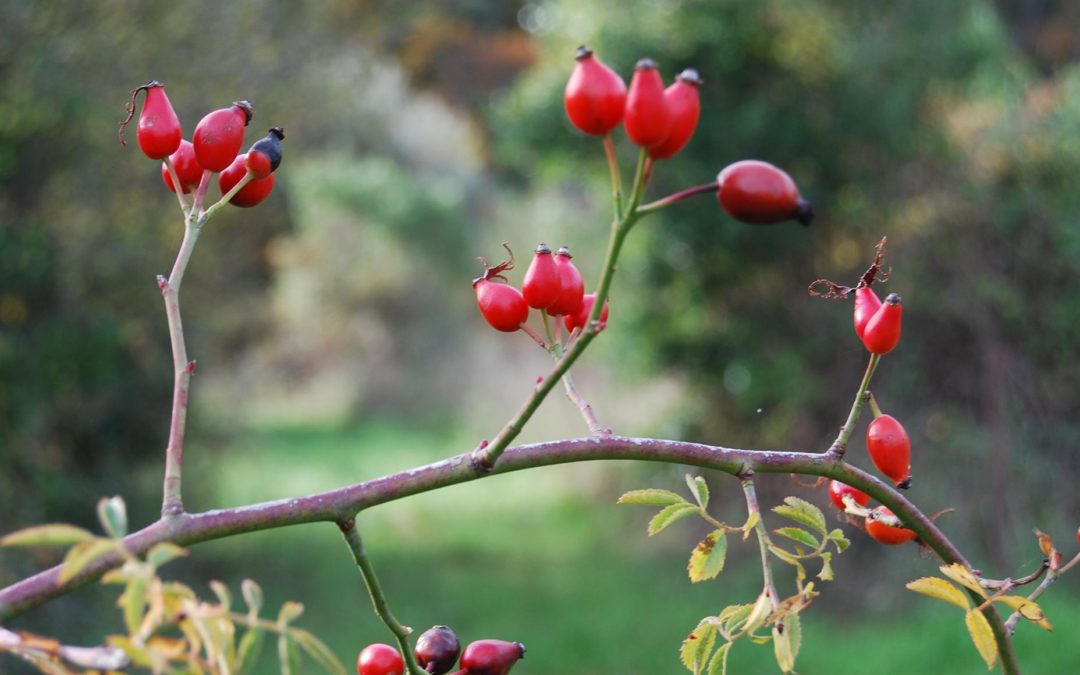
378,598
1047,582
839,446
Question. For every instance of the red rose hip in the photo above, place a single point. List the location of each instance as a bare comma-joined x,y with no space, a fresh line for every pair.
838,490
501,304
220,135
581,317
647,118
882,331
380,659
595,95
491,657
542,284
264,157
887,534
188,170
685,105
251,194
759,193
437,649
159,131
572,286
889,448
866,305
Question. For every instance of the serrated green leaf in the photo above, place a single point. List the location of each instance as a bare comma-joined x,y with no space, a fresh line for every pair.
247,653
253,596
826,573
288,655
798,534
964,577
718,662
699,489
758,614
837,537
732,618
58,534
784,554
707,558
1027,609
318,651
793,631
669,515
695,649
802,511
163,553
785,659
982,636
651,497
112,512
133,602
289,612
83,554
942,590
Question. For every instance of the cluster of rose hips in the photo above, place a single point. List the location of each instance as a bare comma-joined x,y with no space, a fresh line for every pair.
552,284
436,652
214,148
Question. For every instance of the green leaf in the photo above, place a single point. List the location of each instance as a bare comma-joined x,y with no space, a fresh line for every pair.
784,554
942,590
669,515
732,618
793,632
699,489
759,613
826,573
290,612
288,655
718,663
133,602
982,636
697,646
83,554
798,534
783,648
1027,608
651,497
58,534
837,537
707,558
253,596
802,511
964,577
112,512
247,654
163,553
223,595
318,651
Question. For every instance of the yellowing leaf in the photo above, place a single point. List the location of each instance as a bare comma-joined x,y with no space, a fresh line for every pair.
940,589
133,602
289,612
318,651
964,577
1027,609
112,512
786,644
700,489
838,538
651,497
669,515
253,596
707,558
83,554
697,646
982,636
163,553
826,573
751,522
802,511
58,534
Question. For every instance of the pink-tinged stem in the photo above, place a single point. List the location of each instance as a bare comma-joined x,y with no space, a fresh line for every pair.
678,197
176,184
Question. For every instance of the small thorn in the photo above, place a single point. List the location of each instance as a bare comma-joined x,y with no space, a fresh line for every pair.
162,282
539,379
483,444
191,366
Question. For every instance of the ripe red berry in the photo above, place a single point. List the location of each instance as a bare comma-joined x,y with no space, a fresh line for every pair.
889,448
887,534
188,170
866,304
380,659
759,193
572,287
437,649
685,105
251,194
581,317
882,331
501,304
647,118
265,155
220,135
595,95
838,490
159,131
1078,535
491,657
542,284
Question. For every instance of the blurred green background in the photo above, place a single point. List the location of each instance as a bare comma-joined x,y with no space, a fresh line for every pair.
337,337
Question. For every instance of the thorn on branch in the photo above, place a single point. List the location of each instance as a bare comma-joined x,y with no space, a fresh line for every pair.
162,283
191,366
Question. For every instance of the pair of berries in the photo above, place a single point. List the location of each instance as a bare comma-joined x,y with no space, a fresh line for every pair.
663,120
877,323
552,284
881,532
215,146
437,650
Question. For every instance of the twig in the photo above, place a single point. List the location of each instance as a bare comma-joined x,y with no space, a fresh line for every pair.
752,508
616,181
839,446
1051,577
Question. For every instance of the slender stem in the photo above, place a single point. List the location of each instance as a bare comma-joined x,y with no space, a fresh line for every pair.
248,177
616,181
752,508
176,184
839,446
200,192
378,598
528,330
874,408
640,179
1051,577
677,197
572,393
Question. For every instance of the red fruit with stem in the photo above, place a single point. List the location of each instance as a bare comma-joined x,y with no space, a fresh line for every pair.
572,289
580,318
437,649
264,157
647,118
684,103
491,657
188,170
159,131
889,448
220,135
1078,535
380,659
595,95
501,304
542,284
759,193
887,534
251,194
866,305
838,490
882,331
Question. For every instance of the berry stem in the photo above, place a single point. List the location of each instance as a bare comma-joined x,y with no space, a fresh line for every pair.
176,184
219,204
378,598
572,393
664,202
531,332
204,183
873,404
616,181
839,446
752,508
